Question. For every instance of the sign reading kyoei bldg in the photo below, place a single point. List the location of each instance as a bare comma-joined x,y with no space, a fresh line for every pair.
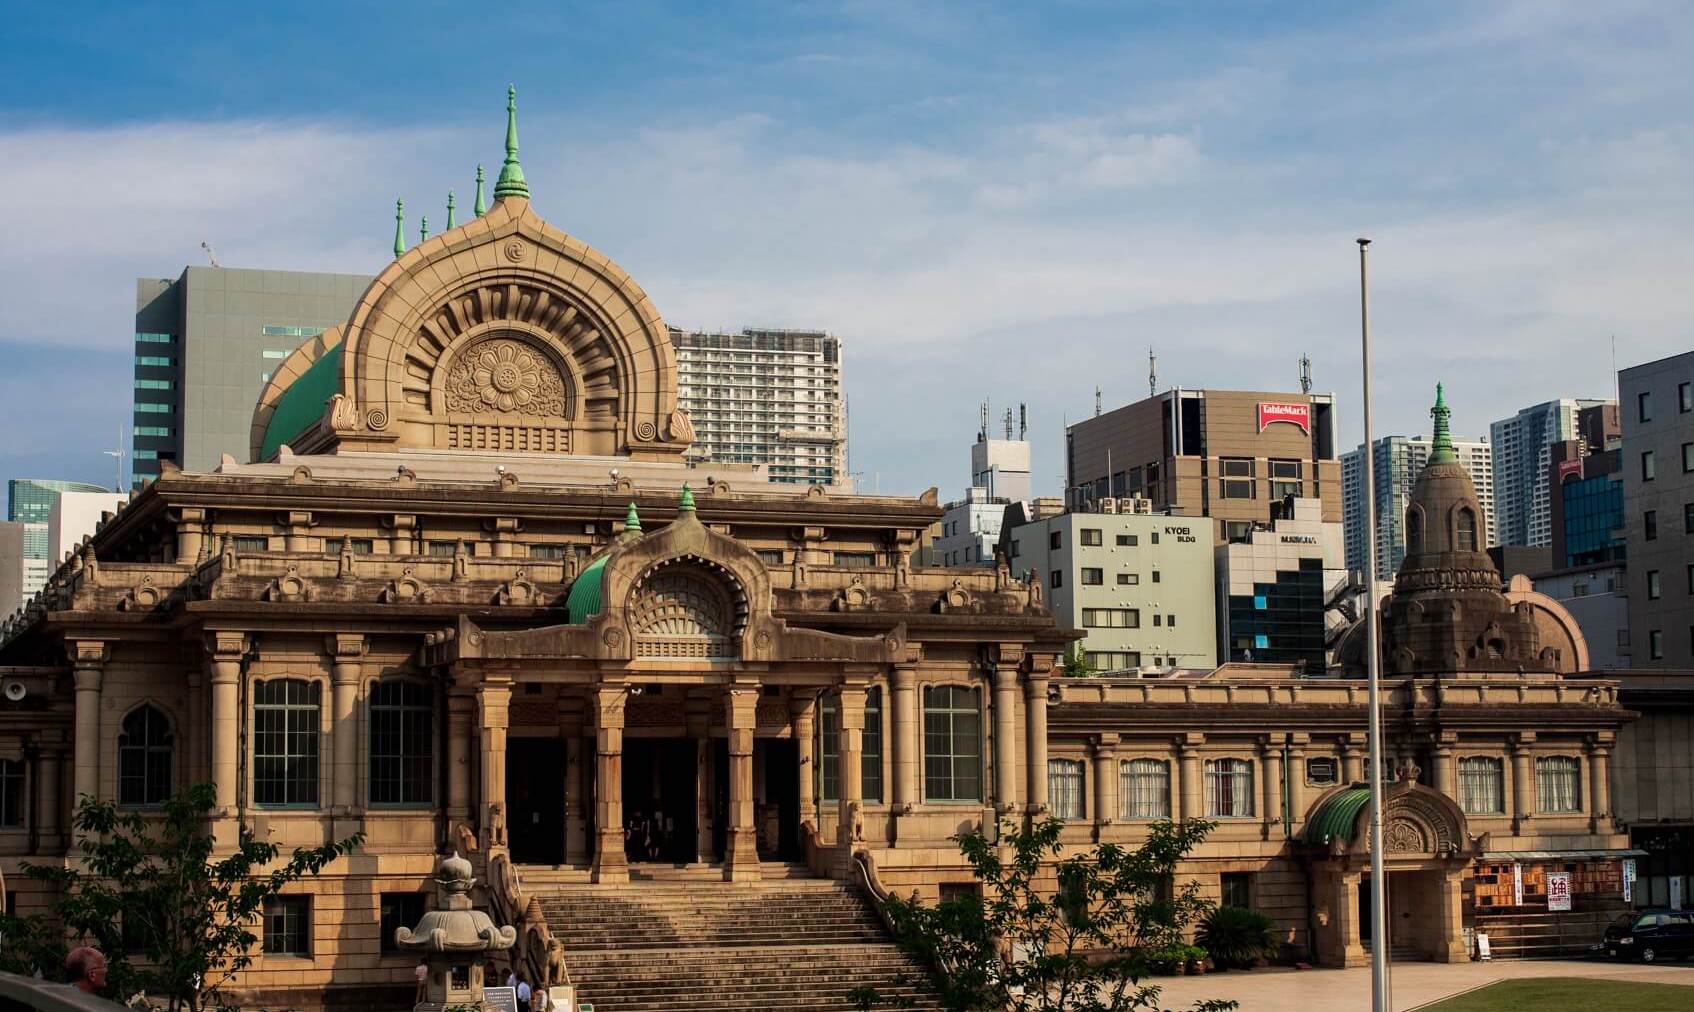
1271,412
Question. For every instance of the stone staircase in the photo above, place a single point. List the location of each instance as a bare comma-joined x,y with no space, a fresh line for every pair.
684,940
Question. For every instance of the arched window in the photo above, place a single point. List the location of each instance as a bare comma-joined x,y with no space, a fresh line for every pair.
285,741
1465,536
1064,789
1414,530
402,743
1558,784
1229,788
11,793
1144,788
145,747
952,743
1482,785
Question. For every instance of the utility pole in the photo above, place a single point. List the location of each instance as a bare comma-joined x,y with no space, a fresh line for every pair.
1380,1001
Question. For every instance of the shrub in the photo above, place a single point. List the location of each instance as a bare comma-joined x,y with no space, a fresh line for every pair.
1235,937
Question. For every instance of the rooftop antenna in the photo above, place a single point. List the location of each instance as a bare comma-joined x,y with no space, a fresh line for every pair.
1023,421
1152,373
118,454
1305,373
213,257
1096,402
982,422
1008,424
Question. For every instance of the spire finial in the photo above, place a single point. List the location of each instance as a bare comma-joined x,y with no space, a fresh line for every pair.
423,228
632,520
511,182
481,205
399,228
452,223
687,503
1441,450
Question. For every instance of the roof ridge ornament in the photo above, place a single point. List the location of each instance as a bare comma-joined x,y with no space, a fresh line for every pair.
399,228
423,229
631,519
452,223
481,205
687,503
511,182
1441,450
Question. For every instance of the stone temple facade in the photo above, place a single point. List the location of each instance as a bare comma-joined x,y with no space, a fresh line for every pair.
470,595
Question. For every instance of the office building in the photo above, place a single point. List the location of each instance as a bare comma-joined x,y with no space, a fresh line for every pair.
1398,461
1139,585
1658,495
1585,495
770,397
1228,455
1595,596
74,516
11,568
31,504
969,530
1001,466
1522,451
1275,588
206,344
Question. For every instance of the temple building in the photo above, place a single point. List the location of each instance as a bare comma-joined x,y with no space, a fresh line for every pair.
469,594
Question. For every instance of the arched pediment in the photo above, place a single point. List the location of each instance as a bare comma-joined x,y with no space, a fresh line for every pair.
1418,822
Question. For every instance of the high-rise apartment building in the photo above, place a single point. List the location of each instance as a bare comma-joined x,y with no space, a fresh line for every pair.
1230,455
771,397
1658,496
31,503
1398,461
205,346
1522,451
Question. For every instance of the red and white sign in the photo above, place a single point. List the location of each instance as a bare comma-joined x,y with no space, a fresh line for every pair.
1294,414
1558,890
1568,468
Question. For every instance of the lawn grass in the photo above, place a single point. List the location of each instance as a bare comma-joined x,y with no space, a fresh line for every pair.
1577,994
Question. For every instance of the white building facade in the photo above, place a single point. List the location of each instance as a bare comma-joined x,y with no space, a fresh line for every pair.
771,397
970,529
1522,452
1138,584
75,515
1275,588
1398,460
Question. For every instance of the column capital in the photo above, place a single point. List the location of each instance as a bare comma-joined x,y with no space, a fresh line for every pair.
227,646
1190,742
1104,746
494,702
89,653
1601,741
1006,679
904,676
345,647
1521,741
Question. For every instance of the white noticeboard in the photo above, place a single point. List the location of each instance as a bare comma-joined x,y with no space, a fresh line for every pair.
1517,885
1482,951
1558,890
1629,880
1676,892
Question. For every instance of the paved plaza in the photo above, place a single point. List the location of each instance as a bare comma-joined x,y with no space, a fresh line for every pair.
1414,984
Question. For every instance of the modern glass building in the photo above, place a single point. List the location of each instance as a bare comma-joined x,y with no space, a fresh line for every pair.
30,502
1593,511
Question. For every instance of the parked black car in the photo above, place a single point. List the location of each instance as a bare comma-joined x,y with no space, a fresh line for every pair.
1651,935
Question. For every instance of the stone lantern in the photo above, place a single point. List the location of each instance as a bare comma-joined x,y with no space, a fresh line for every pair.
455,940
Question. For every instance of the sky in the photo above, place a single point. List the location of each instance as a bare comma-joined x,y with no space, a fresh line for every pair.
1005,203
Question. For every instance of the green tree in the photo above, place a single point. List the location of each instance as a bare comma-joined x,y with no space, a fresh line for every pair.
1059,934
173,919
1236,937
1076,663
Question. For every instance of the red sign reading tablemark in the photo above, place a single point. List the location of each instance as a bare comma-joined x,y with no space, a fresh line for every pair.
1293,414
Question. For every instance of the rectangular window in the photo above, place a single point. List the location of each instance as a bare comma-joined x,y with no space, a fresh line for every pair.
11,793
549,551
402,769
361,546
1652,584
770,556
1170,621
1235,889
1054,541
399,910
1128,579
952,743
252,543
1235,489
855,560
285,741
443,549
151,384
1284,489
1322,771
1064,788
1285,469
1111,618
870,748
279,331
144,455
1687,458
1093,577
1649,470
1650,525
152,430
1482,789
1112,660
1236,467
1144,789
1644,406
150,408
1056,579
1558,784
155,338
1655,644
1155,576
1685,397
1127,540
1229,788
275,353
288,926
1158,620
1091,537
154,360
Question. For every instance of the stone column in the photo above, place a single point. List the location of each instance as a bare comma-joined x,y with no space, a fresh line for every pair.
610,862
1035,741
460,706
1523,781
576,795
741,851
224,674
346,654
190,535
1271,791
297,535
1599,789
1352,763
1295,771
403,540
802,724
905,692
89,659
1005,737
1348,911
1445,780
699,710
850,820
493,703
1451,901
1105,783
47,805
1191,790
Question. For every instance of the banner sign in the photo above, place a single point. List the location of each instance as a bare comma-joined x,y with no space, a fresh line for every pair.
1517,885
1294,414
1568,468
1558,890
1629,880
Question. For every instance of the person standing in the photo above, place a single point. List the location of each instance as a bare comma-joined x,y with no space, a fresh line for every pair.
523,995
422,975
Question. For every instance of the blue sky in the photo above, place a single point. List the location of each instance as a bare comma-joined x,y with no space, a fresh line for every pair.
1005,202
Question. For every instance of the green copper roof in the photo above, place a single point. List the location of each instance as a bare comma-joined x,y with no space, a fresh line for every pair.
481,205
303,402
452,223
511,182
632,520
687,503
399,228
1442,450
1336,816
583,602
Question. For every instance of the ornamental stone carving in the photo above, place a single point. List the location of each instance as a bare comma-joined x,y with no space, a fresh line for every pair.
507,376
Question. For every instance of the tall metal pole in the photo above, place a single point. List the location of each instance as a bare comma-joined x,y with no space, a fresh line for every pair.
1379,998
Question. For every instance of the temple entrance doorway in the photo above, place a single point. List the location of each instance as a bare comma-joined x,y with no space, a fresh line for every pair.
535,800
776,812
659,790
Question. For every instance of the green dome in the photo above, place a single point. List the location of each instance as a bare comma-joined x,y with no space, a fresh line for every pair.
1336,816
583,602
302,404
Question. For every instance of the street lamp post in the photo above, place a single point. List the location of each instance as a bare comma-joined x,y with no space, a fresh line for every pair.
1378,881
